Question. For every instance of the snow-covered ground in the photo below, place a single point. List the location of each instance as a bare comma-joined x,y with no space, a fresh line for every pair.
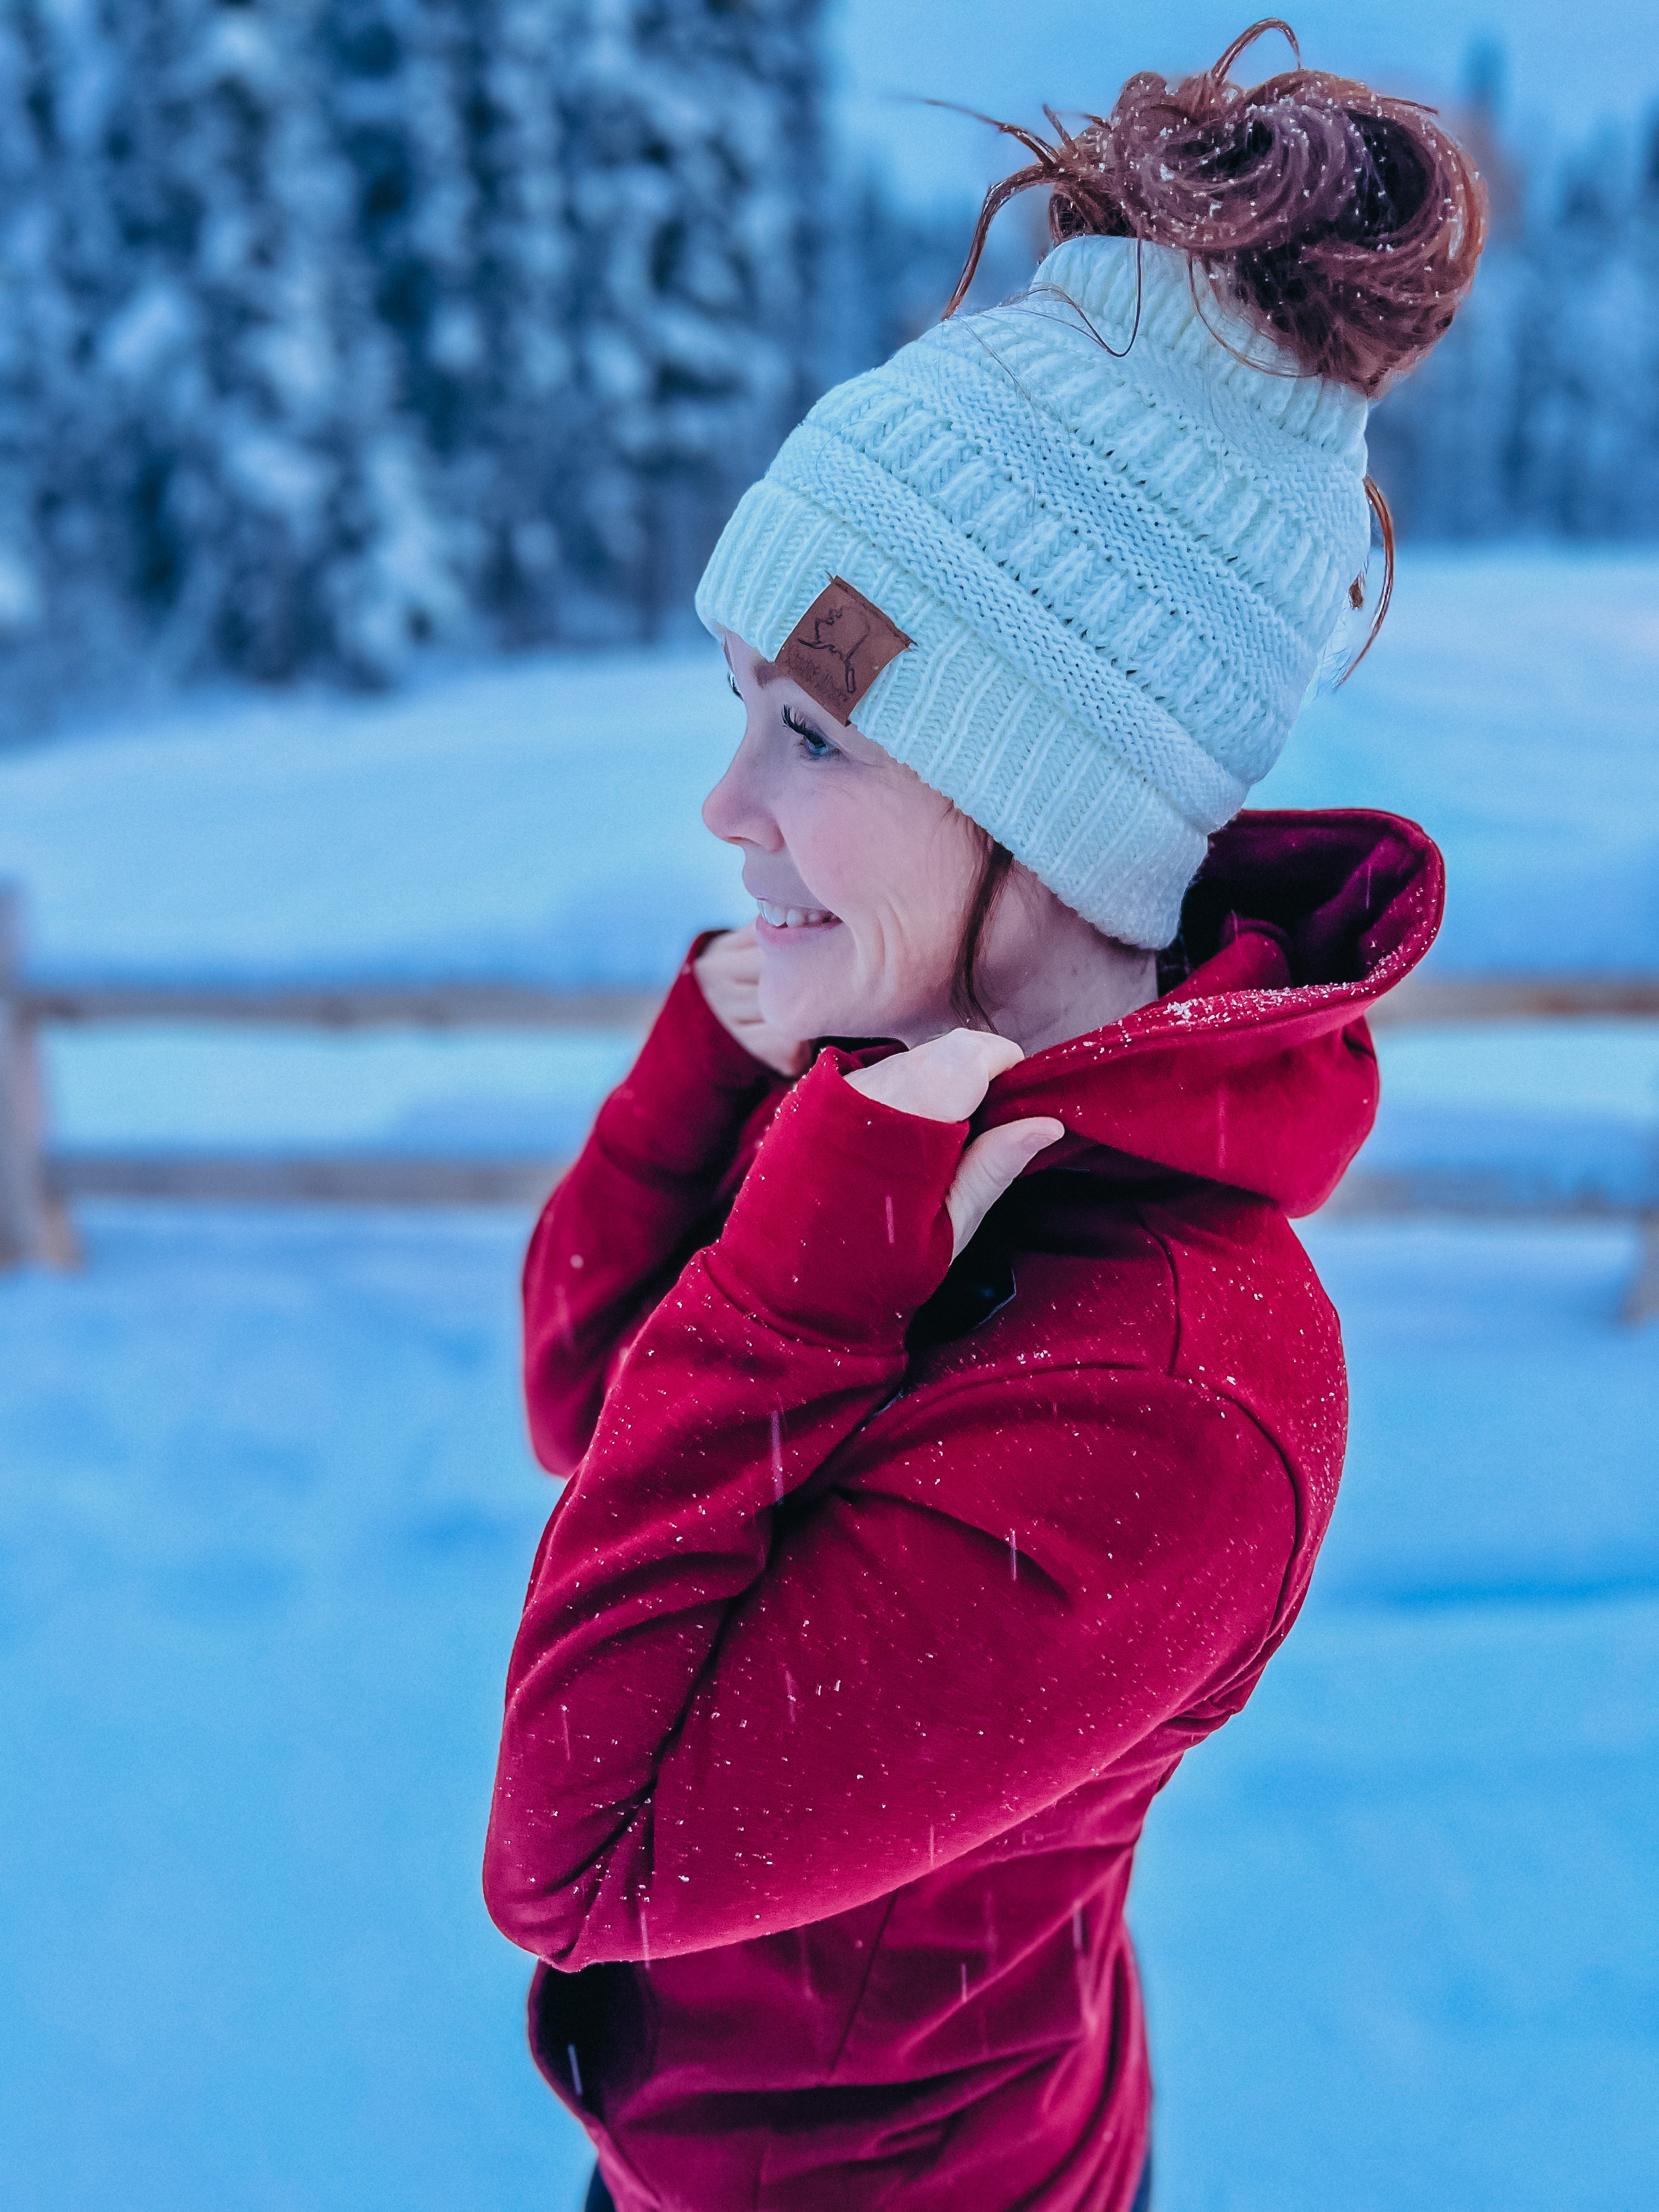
267,1509
266,1524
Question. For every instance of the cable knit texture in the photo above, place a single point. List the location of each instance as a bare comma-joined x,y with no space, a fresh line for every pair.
1119,568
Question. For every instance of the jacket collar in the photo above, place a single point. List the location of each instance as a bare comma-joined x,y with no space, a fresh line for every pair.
1257,1070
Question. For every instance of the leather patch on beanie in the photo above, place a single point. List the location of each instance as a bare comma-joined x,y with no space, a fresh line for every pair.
839,648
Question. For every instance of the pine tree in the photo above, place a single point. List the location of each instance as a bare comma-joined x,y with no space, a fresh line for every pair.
449,113
38,325
275,500
523,461
64,569
694,153
1540,410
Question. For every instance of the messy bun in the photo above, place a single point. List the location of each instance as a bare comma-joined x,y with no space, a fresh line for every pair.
1347,225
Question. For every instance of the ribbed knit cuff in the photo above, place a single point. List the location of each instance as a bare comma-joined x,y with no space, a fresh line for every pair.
840,1230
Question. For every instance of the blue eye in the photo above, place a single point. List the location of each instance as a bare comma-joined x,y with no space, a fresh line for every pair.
813,742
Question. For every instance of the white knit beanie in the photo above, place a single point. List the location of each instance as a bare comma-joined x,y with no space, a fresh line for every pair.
1116,570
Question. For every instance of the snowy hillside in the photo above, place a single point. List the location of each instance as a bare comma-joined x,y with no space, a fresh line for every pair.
533,816
540,816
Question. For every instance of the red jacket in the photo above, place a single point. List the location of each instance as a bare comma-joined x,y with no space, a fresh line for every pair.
887,1594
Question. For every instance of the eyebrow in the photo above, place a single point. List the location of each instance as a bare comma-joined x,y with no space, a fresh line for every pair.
811,725
774,675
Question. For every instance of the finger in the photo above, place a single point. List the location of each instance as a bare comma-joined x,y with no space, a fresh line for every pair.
942,1080
977,1055
740,952
730,947
743,966
987,1168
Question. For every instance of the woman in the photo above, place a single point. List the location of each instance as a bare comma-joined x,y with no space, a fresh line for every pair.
954,1420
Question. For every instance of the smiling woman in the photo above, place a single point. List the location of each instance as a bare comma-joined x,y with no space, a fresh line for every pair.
953,1418
864,877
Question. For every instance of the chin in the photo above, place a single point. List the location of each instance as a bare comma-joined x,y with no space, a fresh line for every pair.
810,987
799,1006
802,1013
797,1013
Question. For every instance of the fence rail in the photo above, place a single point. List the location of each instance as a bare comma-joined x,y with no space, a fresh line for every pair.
345,1006
1423,1000
37,1183
486,1003
311,1178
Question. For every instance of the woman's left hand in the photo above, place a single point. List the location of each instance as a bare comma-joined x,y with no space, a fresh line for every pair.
729,975
945,1080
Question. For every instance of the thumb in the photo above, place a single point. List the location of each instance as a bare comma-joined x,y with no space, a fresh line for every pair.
986,1170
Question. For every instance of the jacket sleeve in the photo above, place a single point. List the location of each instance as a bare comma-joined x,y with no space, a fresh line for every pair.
725,1718
610,1237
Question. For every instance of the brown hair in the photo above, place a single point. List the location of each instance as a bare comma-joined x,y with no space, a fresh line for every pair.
1347,225
994,862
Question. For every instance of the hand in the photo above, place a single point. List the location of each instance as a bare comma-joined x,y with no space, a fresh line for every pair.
945,1080
729,975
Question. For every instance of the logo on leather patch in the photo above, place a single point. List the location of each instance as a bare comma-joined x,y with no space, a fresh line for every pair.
839,648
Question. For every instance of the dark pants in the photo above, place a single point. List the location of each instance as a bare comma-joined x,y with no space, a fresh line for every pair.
599,2198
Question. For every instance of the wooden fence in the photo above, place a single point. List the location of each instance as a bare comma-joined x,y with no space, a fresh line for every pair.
38,1183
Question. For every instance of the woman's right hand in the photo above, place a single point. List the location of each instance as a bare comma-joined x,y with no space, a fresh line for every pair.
728,975
945,1080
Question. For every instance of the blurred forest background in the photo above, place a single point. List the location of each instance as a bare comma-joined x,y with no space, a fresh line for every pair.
339,330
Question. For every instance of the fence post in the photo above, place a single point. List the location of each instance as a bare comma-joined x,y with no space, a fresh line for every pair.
1642,1299
33,1224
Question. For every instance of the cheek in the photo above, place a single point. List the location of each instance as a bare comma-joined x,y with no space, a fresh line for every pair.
899,876
830,854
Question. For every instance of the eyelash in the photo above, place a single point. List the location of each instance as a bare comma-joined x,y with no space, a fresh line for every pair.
801,729
810,737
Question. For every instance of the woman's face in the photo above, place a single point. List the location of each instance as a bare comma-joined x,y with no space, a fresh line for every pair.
862,874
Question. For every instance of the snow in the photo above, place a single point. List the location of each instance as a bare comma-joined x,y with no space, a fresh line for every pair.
529,817
1604,1068
538,816
166,1087
1509,707
1396,1919
269,1508
260,1581
268,1523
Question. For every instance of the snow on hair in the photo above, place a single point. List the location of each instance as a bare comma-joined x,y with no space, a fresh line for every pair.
1347,224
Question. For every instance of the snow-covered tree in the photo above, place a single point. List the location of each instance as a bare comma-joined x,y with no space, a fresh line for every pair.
695,161
523,461
449,112
329,325
59,83
1540,410
276,501
37,327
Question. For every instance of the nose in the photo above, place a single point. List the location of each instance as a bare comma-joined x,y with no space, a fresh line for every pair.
736,810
